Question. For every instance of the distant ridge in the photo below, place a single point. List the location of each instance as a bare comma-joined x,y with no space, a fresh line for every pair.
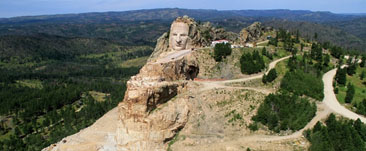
339,29
171,13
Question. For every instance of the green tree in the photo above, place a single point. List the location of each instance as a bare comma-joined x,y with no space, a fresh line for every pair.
363,61
326,60
301,83
264,78
341,76
251,63
297,40
361,107
315,36
351,69
273,41
350,93
285,111
264,51
272,75
17,132
221,50
317,127
362,75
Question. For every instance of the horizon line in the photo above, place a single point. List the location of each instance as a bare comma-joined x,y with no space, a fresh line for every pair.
119,11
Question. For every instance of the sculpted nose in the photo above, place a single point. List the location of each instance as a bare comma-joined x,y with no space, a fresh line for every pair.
179,39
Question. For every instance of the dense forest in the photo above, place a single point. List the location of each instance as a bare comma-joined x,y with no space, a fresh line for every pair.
285,111
337,135
143,27
53,86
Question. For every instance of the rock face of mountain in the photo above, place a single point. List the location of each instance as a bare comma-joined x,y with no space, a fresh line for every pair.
252,33
143,125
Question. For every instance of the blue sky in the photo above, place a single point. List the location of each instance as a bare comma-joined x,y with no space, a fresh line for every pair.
11,8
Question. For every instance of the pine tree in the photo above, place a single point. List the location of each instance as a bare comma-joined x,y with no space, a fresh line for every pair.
317,127
341,76
272,75
363,61
351,69
264,78
350,93
315,36
17,131
362,75
326,60
251,63
264,51
297,40
221,50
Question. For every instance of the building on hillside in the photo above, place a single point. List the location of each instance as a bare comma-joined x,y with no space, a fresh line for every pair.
250,45
213,44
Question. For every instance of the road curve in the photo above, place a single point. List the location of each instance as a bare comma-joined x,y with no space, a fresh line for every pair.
331,101
271,66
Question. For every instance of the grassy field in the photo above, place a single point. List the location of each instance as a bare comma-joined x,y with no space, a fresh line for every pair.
138,62
30,83
360,88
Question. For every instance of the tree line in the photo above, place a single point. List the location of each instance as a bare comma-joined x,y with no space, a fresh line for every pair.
337,135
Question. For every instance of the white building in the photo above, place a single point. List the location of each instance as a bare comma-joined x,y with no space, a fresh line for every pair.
219,42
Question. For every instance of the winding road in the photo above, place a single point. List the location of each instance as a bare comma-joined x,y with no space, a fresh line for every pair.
331,101
329,104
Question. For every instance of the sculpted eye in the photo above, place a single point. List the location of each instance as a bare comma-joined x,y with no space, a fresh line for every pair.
175,34
184,35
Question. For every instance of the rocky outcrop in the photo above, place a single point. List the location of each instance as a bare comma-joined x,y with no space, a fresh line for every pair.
149,116
252,33
144,123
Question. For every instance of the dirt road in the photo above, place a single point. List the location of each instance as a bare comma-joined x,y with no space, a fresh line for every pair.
328,105
331,101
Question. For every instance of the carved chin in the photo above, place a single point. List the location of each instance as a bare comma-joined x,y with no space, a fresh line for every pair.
178,47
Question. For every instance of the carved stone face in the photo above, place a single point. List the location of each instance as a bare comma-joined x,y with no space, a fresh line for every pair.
178,36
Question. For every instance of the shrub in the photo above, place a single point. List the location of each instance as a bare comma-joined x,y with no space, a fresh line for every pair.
253,126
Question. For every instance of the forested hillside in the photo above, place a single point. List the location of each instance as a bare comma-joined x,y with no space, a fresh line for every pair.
53,86
143,27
